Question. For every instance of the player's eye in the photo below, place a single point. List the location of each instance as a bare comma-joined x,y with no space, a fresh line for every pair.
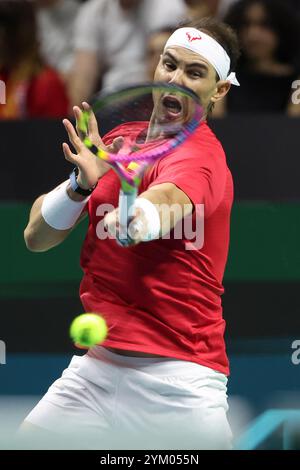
169,65
195,74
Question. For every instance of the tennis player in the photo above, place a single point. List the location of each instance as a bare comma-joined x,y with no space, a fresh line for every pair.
160,378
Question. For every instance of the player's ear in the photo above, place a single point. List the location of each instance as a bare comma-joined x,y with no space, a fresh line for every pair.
222,88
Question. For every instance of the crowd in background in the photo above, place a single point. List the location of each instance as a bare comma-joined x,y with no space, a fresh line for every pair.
57,53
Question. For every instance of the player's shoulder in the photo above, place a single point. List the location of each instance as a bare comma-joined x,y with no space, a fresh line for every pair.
207,137
205,144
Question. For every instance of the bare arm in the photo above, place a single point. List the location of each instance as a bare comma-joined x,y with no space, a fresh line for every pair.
83,78
172,205
167,196
39,236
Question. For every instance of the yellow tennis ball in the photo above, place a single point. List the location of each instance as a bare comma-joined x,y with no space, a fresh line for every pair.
88,329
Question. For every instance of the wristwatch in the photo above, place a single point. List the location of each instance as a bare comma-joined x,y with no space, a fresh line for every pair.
75,186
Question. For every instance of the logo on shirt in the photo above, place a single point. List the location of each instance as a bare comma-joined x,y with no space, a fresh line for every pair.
193,38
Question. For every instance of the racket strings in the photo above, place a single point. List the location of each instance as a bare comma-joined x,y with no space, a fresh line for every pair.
133,107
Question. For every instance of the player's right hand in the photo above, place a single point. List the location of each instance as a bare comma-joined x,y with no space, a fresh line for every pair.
91,168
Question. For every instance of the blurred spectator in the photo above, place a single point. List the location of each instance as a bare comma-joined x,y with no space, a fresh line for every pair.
56,20
32,88
197,9
110,41
155,45
269,36
223,7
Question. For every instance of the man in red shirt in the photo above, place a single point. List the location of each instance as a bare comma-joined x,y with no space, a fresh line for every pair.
32,88
159,380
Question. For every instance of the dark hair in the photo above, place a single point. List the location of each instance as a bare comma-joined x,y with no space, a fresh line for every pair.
18,32
222,33
280,18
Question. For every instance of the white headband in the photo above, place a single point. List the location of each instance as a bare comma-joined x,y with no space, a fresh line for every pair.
207,47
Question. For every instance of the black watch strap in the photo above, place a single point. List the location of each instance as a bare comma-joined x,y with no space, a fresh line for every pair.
75,186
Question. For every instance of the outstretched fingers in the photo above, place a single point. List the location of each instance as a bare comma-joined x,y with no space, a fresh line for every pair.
117,144
93,125
73,137
78,116
69,155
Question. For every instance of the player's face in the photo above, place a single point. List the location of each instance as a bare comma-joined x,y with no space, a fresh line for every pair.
180,66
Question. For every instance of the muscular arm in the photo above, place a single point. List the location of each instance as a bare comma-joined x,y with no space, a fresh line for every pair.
38,235
173,204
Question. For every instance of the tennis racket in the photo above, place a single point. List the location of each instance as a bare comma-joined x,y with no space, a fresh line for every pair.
168,113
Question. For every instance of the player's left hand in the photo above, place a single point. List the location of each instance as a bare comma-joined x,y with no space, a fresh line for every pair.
137,228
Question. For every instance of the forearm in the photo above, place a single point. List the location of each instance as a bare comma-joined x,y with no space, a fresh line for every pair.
156,212
171,203
54,215
38,235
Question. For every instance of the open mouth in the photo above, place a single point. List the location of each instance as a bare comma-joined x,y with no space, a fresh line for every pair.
172,105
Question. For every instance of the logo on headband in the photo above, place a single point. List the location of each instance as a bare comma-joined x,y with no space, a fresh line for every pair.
193,38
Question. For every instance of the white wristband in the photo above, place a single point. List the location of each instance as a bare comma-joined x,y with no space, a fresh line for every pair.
152,217
58,209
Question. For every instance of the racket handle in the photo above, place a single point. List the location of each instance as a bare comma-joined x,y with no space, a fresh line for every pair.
126,200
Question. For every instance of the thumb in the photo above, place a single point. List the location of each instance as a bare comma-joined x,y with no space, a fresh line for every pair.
117,144
136,229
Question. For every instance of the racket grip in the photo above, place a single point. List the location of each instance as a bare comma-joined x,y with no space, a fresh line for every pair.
126,200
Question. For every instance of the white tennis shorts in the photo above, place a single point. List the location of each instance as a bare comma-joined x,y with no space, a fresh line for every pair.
111,401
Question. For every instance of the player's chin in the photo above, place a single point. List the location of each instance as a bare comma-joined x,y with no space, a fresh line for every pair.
176,124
